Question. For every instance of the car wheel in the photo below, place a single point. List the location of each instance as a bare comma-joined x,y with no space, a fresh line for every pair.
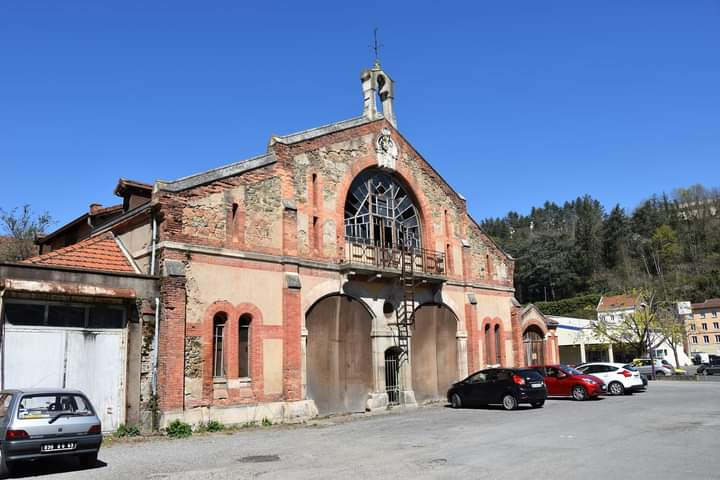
455,401
537,404
509,402
88,459
616,388
579,393
660,374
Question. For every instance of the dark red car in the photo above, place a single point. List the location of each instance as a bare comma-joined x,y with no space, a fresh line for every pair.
564,381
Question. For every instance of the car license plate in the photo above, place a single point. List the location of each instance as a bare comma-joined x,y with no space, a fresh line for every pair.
536,385
58,447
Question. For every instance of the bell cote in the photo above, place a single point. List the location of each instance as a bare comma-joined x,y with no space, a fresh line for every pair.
376,84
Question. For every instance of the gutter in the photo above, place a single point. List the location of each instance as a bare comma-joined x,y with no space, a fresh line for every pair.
2,340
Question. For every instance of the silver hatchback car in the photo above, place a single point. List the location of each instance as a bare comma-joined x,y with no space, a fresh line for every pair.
36,424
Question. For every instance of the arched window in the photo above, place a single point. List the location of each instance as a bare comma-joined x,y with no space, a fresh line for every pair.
244,346
488,346
219,323
498,353
379,211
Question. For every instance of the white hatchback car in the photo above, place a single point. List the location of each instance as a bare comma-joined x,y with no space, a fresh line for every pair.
618,379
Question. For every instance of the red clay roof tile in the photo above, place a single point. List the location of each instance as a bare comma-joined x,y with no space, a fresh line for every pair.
617,302
95,253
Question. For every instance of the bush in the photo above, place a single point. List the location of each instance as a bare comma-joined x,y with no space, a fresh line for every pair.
214,426
127,431
179,429
266,422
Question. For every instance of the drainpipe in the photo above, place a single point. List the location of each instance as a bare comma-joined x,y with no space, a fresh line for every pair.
2,340
155,347
152,248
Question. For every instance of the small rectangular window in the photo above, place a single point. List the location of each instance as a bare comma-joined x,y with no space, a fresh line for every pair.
717,338
704,326
106,317
694,339
716,325
692,327
25,314
706,338
65,316
714,313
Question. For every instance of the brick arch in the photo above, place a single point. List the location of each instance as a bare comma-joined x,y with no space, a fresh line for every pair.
535,323
233,339
493,323
408,182
219,306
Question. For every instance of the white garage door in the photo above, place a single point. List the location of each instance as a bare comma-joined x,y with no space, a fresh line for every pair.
83,359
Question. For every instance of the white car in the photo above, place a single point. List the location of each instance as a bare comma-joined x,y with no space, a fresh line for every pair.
618,379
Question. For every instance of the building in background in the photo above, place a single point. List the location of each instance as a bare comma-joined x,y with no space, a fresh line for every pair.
703,327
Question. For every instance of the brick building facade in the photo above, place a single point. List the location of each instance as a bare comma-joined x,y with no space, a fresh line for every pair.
281,278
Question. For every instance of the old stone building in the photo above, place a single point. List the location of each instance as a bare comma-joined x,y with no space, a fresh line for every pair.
336,272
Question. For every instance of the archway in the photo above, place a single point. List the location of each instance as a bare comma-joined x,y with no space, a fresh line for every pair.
433,352
534,346
339,354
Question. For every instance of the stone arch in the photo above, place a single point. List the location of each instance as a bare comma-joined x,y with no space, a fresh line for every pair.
339,354
433,351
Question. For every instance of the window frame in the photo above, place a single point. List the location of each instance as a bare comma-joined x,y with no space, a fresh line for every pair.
219,353
245,358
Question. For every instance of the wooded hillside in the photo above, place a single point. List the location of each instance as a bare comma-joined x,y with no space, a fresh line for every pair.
670,244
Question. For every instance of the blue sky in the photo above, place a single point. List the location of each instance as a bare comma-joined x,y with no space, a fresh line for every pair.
514,103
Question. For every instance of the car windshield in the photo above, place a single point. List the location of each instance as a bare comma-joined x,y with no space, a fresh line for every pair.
570,370
4,403
51,405
531,374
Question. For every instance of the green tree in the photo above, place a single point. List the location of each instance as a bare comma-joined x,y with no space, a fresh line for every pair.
22,226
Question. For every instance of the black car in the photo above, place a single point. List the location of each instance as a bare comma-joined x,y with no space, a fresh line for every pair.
506,386
711,368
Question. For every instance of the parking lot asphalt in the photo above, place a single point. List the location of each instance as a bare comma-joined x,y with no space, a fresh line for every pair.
671,431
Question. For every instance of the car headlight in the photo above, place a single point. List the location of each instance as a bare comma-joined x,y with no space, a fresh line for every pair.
589,381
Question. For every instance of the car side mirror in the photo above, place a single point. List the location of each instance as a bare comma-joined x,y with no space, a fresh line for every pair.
561,375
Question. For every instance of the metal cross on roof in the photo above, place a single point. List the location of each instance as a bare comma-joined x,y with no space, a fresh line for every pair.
376,47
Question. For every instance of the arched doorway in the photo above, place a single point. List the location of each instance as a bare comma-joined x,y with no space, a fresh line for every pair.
534,343
339,354
433,352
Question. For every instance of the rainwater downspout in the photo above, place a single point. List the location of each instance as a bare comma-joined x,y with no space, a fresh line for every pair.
2,340
157,310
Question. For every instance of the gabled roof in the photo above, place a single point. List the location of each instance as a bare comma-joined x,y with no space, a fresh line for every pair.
530,307
617,302
258,161
710,303
102,253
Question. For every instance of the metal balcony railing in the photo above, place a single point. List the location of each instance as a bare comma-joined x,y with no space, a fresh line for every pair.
383,257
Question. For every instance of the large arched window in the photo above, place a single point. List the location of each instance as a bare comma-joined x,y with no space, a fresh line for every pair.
379,211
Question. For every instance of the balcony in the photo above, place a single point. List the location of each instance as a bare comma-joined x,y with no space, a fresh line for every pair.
364,257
